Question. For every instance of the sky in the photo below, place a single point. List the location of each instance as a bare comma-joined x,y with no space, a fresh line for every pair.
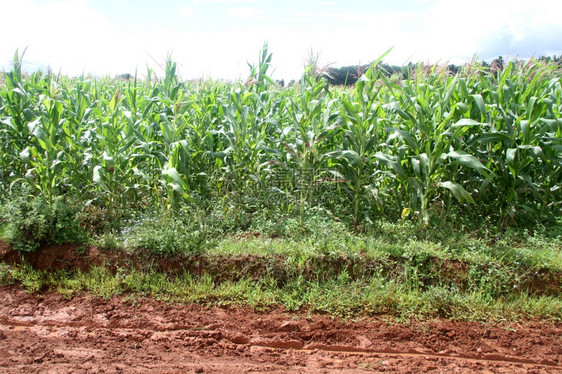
217,38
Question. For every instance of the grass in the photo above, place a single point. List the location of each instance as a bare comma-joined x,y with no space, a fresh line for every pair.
401,272
339,296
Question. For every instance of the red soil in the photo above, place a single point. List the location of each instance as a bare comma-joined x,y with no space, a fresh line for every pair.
49,334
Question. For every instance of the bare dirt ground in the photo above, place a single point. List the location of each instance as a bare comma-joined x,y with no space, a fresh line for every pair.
49,334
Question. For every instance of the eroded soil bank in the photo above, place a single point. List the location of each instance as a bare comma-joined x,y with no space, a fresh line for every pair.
221,268
49,334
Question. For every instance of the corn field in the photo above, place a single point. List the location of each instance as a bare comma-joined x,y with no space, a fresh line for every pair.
480,142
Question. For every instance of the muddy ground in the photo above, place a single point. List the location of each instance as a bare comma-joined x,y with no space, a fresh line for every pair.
49,334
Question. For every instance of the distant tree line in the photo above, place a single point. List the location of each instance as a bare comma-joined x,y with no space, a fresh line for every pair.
348,75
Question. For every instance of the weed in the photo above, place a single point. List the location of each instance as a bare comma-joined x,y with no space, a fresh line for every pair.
33,221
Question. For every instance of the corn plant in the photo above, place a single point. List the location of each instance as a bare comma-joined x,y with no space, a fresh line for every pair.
427,133
488,143
363,126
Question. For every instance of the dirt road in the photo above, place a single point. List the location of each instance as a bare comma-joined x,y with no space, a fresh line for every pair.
49,334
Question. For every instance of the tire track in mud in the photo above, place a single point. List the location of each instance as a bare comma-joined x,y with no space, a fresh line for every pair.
498,359
50,333
29,324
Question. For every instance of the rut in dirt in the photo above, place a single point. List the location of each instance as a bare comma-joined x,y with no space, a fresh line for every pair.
92,334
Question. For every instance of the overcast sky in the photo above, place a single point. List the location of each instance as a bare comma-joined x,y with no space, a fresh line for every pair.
216,37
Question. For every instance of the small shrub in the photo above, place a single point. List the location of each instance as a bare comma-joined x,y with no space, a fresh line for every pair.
316,223
163,235
31,222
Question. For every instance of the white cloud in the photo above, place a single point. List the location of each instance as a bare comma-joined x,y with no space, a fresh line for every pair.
487,27
63,33
199,2
449,31
186,10
73,35
243,12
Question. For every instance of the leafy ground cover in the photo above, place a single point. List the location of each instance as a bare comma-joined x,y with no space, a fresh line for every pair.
400,272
